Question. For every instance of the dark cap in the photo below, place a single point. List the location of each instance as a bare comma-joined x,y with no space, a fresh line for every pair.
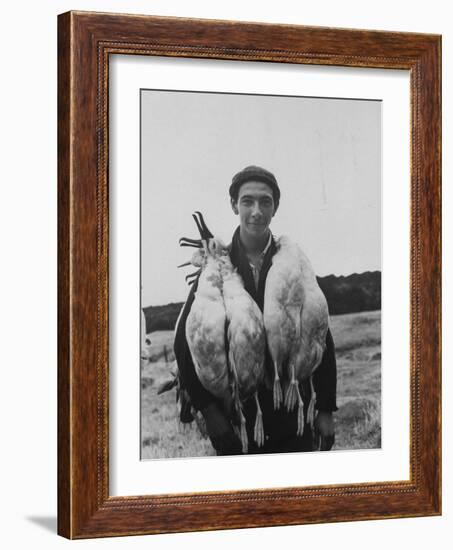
255,173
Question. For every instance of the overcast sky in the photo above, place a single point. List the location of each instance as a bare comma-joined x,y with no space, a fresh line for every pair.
325,154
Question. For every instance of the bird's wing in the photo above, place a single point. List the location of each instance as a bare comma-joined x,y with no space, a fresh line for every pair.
247,358
206,340
311,341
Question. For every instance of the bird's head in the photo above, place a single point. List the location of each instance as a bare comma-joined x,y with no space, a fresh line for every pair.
216,248
197,259
208,247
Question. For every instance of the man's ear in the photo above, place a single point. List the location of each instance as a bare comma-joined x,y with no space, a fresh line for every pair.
234,206
275,210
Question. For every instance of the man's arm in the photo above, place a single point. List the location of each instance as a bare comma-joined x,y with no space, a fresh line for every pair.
325,384
325,378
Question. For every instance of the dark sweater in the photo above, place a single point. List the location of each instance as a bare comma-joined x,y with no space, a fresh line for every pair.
280,426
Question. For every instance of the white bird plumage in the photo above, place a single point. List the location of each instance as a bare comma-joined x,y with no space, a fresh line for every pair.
225,333
246,343
205,332
296,322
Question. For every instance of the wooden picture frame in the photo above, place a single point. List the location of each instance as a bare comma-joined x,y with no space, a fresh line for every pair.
85,42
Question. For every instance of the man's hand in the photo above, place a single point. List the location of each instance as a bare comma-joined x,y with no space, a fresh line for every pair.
324,431
220,431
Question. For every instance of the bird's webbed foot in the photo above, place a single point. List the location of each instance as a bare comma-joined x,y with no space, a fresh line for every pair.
292,392
243,433
300,418
259,427
311,406
293,398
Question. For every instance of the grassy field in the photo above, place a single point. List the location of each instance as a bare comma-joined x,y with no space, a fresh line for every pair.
357,338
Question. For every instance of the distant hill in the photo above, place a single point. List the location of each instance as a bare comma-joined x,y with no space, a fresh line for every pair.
162,317
344,294
354,293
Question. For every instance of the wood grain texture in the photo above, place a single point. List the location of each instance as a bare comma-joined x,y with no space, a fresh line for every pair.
64,369
85,42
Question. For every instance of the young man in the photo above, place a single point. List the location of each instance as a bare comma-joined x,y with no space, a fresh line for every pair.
255,197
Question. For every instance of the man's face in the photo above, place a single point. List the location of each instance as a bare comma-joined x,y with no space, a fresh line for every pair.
255,207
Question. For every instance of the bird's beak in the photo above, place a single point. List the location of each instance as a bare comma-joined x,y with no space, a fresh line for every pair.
205,234
184,264
195,243
190,278
202,227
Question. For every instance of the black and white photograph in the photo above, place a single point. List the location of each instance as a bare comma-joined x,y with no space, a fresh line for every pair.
260,274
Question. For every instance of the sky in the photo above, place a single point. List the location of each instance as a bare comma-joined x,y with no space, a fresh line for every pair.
324,152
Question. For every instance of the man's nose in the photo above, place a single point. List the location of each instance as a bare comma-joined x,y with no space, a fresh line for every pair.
256,210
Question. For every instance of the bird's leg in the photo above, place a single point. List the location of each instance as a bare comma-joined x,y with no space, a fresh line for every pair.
259,428
311,405
291,391
278,396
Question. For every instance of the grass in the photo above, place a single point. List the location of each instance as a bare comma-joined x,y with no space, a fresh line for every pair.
163,436
357,339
